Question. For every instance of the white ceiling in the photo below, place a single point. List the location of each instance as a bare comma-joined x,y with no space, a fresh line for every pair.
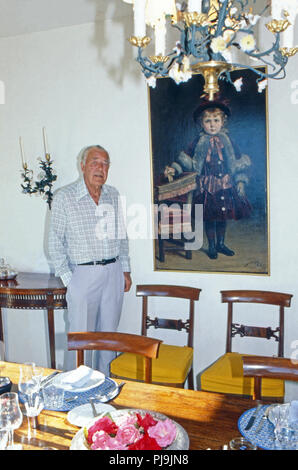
26,16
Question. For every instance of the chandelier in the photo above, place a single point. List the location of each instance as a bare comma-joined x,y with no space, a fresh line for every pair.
214,37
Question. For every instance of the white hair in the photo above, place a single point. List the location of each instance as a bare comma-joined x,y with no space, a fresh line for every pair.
86,150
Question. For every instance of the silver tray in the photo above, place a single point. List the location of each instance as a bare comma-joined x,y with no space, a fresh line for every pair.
180,443
8,277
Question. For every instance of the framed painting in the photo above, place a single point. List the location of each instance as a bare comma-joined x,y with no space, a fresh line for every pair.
209,173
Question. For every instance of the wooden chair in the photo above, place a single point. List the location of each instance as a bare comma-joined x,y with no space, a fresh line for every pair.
174,363
259,367
173,206
111,341
226,374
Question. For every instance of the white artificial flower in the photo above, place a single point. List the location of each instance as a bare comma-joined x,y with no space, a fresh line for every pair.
262,85
253,19
174,73
228,35
181,73
151,81
218,44
238,83
248,43
227,55
229,22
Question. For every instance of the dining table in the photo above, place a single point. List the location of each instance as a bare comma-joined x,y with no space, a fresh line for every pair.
210,419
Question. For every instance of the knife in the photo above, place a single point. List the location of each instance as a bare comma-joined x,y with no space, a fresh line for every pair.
253,417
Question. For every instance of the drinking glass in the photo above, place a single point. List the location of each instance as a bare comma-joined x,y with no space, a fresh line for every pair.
285,433
37,374
27,384
29,388
11,416
240,443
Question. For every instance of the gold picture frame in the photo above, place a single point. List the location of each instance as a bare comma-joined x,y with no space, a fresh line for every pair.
172,129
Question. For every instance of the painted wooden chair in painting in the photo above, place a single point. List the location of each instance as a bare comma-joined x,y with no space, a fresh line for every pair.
260,367
142,346
225,375
173,214
174,363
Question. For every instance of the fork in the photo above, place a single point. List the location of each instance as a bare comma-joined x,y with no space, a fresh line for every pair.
95,413
264,418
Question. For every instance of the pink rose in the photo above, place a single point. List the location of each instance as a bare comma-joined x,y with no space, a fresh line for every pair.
102,441
164,432
128,434
103,424
126,419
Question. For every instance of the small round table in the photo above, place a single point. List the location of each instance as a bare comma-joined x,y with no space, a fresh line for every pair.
34,291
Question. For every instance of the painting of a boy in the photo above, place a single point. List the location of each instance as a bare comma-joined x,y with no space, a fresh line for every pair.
222,174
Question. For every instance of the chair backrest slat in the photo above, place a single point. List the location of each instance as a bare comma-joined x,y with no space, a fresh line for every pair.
191,294
256,297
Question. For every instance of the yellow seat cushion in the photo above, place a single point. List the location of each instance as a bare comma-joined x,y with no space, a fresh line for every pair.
171,366
226,376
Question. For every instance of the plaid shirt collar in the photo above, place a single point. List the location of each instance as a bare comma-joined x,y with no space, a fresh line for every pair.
82,189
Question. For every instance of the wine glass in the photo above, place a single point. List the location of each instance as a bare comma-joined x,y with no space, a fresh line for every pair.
37,374
27,384
29,388
11,416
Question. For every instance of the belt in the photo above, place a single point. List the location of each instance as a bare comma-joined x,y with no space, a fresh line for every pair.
102,262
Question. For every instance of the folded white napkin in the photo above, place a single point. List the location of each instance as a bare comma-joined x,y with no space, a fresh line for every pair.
80,376
293,412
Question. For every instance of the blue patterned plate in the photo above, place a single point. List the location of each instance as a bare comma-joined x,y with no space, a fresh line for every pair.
265,437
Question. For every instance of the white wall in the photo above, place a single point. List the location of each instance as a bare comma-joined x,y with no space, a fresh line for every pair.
84,86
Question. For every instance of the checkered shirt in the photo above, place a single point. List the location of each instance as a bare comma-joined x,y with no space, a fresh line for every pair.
81,231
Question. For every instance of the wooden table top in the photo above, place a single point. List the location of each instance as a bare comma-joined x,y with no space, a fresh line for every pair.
210,419
33,281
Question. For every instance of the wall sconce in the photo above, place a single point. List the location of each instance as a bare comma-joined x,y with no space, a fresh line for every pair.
43,186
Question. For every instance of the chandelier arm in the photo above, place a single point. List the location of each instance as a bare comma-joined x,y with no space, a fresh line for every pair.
150,68
263,75
221,17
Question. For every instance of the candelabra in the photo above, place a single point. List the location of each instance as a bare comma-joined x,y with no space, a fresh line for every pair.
43,186
212,34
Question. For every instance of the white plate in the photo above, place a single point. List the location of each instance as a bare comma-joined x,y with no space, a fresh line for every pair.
82,415
180,443
95,380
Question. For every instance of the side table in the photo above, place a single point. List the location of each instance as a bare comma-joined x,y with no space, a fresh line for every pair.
34,291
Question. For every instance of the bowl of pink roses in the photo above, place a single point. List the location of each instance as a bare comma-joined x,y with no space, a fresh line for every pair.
131,429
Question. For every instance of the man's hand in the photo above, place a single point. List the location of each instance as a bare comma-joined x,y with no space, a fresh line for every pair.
127,282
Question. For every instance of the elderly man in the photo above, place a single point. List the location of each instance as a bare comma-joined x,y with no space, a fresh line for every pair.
89,250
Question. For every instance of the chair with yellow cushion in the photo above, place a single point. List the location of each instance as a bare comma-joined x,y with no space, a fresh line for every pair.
225,375
174,363
260,367
146,348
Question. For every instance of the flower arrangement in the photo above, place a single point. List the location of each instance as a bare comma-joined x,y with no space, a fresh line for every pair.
131,431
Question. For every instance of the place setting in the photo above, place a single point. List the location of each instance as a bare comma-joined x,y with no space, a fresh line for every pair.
83,393
271,426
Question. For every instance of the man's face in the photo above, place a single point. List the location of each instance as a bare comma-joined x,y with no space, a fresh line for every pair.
96,168
212,122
